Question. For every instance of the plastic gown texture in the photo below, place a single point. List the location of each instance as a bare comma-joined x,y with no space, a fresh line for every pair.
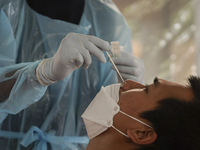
37,117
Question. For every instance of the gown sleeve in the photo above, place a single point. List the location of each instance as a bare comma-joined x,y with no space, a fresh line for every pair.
110,25
26,90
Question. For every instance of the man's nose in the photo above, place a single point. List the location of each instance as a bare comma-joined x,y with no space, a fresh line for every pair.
130,84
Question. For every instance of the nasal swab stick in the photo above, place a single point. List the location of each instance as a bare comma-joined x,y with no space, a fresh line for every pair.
115,66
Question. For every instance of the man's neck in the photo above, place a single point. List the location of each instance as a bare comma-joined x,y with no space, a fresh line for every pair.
110,140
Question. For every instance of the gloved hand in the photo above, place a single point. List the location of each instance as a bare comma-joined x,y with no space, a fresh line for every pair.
74,51
130,67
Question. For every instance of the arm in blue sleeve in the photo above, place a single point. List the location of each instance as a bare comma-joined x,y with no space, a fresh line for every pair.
25,91
109,24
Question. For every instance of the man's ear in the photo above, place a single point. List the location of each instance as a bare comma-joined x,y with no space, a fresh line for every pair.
142,136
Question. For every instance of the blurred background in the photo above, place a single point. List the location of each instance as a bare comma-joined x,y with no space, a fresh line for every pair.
163,35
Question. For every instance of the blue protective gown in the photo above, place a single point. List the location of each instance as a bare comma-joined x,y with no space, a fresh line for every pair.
39,117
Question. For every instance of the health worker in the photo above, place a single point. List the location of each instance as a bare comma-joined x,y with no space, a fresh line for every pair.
52,64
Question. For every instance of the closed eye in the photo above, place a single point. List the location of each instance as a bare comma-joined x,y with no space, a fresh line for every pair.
146,88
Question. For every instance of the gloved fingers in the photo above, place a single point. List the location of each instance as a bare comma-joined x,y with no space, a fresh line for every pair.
78,60
74,58
95,51
128,70
125,54
86,56
104,45
125,61
128,76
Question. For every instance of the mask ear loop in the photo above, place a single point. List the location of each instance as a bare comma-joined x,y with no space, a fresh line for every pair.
135,119
120,132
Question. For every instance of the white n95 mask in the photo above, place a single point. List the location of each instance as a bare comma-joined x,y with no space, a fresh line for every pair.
98,116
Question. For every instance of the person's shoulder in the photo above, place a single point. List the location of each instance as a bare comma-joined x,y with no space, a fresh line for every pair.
104,9
103,4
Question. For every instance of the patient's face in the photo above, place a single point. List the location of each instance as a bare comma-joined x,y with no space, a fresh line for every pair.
137,99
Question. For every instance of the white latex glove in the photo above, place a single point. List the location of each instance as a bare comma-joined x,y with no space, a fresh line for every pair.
130,67
74,51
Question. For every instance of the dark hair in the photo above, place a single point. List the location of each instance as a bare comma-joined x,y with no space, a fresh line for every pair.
176,122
